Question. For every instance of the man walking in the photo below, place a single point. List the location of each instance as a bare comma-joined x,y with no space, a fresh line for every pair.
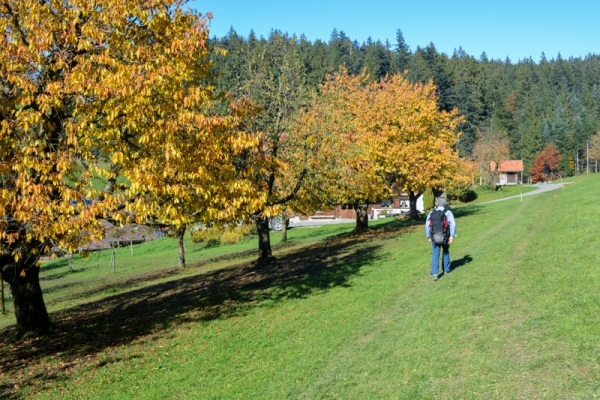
440,229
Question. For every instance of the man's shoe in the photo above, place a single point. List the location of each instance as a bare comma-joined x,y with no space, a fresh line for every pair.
435,277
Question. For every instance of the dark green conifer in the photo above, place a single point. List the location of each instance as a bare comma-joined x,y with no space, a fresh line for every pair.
403,55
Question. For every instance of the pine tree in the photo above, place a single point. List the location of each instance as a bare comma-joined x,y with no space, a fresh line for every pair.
340,49
529,123
560,129
418,70
547,131
464,97
377,61
403,55
357,59
437,64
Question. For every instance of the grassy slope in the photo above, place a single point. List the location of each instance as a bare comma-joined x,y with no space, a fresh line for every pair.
342,318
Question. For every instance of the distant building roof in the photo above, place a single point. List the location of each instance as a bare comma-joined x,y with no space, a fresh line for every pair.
509,166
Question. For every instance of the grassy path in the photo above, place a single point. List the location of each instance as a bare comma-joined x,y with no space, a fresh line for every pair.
353,317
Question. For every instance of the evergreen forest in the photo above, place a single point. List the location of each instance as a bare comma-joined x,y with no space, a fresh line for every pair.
530,103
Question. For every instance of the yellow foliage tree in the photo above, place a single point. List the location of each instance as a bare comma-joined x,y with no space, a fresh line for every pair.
357,177
412,140
95,91
203,180
393,134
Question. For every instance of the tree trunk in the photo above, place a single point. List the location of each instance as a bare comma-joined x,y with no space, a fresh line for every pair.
412,200
284,225
30,310
3,305
71,263
181,245
131,246
362,218
495,174
264,239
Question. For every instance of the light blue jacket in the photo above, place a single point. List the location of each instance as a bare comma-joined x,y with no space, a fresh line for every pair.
451,223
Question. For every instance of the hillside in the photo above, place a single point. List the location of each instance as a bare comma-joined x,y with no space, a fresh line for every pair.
337,316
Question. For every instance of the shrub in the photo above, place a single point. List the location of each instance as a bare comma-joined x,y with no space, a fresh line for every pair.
428,199
232,236
464,194
210,236
217,235
247,229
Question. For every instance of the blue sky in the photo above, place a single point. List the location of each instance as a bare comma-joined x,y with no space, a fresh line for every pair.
509,28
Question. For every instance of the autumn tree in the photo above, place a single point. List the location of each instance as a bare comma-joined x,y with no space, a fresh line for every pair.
338,169
490,150
460,186
203,180
394,135
349,173
417,141
545,165
96,91
275,84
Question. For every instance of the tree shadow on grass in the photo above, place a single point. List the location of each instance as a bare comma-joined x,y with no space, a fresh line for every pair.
129,282
467,211
395,224
82,332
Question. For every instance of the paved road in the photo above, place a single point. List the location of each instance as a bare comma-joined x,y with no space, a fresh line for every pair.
540,189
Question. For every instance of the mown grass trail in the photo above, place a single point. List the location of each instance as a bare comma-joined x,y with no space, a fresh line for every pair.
342,317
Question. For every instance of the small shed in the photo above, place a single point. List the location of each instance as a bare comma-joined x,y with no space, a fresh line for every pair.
511,172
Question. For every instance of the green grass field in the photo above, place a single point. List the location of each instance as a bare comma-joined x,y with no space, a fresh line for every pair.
336,316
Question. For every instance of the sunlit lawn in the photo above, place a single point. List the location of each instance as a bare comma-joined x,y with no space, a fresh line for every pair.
337,316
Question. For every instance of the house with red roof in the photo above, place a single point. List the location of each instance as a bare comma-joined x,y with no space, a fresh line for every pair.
511,172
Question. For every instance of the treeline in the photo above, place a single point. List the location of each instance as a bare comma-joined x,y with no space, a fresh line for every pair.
531,103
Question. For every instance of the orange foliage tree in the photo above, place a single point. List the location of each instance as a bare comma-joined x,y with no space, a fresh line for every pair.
338,169
95,91
349,167
545,164
416,143
394,134
490,150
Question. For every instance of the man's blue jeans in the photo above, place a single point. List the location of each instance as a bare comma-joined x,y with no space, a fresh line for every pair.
435,258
